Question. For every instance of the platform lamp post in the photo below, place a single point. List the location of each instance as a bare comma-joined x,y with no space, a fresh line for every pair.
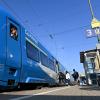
95,24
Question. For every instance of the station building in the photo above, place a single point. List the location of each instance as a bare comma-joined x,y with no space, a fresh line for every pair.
91,64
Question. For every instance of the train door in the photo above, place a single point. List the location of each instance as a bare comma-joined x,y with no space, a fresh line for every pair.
57,66
13,60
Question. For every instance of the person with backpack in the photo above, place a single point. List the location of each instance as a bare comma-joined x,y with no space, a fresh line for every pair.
75,75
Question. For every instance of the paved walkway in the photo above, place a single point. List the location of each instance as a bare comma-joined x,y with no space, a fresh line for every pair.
56,93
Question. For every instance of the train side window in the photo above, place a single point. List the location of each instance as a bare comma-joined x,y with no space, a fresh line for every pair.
32,52
13,32
51,64
44,59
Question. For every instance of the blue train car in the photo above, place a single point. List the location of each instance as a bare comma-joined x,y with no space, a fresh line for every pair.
23,59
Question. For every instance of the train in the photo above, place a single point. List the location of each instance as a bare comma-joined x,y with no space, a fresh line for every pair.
23,59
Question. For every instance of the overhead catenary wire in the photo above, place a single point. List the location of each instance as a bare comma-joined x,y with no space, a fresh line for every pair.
71,30
56,33
36,13
68,31
16,15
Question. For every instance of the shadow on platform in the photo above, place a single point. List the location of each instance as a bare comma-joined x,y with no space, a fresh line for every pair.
47,97
89,88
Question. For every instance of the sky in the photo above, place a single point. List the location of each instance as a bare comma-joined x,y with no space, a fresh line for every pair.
60,25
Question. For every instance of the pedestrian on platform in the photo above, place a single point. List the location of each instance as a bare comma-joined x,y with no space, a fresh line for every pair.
75,75
67,78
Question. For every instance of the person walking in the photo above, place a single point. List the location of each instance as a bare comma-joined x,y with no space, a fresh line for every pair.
75,75
67,78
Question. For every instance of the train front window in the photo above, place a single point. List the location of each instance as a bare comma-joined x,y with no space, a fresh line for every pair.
13,32
32,52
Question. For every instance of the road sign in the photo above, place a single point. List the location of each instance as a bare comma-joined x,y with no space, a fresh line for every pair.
92,32
97,30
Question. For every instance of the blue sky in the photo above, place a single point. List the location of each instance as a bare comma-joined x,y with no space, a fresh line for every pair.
66,20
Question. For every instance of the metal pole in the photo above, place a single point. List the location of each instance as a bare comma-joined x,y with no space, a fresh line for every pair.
91,9
98,38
